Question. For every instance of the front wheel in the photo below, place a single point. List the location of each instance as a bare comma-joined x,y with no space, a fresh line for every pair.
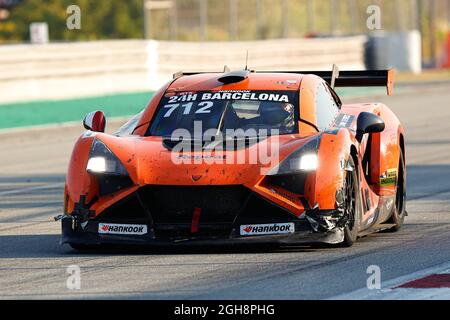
351,205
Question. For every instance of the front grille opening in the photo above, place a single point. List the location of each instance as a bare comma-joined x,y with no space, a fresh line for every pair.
172,209
259,211
292,182
126,209
176,204
108,184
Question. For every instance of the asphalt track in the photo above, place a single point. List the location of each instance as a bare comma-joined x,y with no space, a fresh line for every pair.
33,264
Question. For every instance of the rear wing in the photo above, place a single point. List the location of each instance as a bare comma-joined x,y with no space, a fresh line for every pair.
336,78
360,78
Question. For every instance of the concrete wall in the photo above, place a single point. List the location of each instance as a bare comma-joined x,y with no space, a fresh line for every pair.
67,70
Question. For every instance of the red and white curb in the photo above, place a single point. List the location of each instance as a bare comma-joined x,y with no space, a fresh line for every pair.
428,284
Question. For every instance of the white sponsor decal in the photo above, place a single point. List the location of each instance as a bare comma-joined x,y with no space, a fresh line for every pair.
112,228
273,228
229,95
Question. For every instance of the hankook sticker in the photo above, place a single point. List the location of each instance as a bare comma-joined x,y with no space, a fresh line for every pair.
129,229
273,228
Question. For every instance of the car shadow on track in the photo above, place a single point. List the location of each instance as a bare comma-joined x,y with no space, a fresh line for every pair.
196,249
199,249
47,246
30,246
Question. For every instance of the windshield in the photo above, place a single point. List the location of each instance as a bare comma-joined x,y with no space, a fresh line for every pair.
271,111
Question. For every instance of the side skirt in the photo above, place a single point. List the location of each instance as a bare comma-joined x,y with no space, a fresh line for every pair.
382,213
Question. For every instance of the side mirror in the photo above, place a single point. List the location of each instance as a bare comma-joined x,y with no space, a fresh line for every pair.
95,121
368,123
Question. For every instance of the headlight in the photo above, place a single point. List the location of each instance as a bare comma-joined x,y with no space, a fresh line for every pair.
103,161
308,162
96,164
301,160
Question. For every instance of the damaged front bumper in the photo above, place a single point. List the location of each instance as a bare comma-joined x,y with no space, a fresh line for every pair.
314,226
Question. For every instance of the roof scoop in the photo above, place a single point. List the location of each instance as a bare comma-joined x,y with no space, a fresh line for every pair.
234,76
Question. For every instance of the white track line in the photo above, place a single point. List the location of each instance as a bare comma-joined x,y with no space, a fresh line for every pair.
25,190
386,288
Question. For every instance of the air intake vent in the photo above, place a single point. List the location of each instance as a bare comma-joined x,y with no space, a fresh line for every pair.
234,76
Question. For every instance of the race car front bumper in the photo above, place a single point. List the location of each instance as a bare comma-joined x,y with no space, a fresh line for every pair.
168,215
73,233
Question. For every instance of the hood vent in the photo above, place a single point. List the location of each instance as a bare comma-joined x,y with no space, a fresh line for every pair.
234,76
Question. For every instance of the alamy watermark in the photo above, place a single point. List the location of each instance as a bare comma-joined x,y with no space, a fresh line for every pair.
73,282
73,21
373,22
374,279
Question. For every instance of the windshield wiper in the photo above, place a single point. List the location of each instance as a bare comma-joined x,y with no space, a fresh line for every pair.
222,117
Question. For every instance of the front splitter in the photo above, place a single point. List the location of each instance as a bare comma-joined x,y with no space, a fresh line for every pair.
89,238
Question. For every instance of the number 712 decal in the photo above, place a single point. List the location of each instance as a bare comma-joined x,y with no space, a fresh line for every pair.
204,107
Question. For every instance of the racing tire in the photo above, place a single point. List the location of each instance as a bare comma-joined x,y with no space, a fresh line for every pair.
399,213
352,205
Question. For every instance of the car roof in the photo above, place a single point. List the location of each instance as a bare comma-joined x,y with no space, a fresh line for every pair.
254,81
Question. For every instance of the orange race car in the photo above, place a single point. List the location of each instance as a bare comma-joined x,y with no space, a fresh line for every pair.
238,157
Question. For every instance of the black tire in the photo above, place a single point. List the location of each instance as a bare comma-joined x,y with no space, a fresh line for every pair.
352,205
398,215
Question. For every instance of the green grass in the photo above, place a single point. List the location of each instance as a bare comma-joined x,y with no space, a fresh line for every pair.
60,111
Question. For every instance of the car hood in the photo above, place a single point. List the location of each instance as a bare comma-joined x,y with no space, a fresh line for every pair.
148,161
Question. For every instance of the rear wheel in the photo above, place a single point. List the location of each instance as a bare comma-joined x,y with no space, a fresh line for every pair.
398,216
351,205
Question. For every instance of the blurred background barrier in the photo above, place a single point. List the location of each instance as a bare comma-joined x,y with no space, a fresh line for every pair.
65,70
400,50
80,69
